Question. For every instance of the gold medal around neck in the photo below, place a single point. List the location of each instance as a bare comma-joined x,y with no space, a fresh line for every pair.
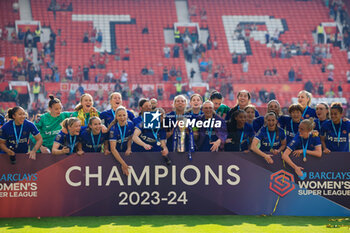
158,143
271,150
304,159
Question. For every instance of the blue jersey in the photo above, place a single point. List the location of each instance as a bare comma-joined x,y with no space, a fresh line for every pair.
298,142
309,112
170,117
2,120
264,139
333,134
148,137
115,135
318,124
289,126
138,120
205,146
87,143
190,115
8,133
66,140
240,138
258,123
108,116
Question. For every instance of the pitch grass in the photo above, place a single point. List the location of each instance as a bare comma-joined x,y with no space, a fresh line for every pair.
176,224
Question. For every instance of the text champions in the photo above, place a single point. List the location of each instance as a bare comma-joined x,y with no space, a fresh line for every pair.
189,175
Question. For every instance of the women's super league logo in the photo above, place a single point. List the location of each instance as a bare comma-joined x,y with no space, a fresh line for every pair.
282,182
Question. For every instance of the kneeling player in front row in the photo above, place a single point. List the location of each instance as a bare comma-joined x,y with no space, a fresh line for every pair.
306,142
14,135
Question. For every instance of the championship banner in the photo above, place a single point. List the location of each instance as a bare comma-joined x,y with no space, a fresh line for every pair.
211,183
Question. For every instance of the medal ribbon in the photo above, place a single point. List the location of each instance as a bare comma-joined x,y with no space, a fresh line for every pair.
98,141
291,126
241,140
273,140
122,135
305,147
304,111
113,113
155,134
339,131
20,132
71,145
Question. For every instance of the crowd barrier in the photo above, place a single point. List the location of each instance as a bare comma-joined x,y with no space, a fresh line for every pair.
210,184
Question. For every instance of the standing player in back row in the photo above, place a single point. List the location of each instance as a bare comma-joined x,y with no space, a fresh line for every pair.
115,100
243,99
291,123
84,110
304,99
50,123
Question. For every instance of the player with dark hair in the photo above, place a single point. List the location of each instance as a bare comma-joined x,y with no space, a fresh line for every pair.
220,108
151,140
272,106
271,137
49,124
291,123
145,106
92,139
322,113
14,135
240,135
335,132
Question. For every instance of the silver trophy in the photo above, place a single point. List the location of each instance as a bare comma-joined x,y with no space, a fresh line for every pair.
181,130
